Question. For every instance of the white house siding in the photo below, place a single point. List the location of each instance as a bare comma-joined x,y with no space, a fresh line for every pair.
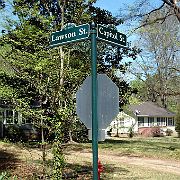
122,123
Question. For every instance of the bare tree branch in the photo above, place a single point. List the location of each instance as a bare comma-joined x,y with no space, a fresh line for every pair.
173,4
138,12
153,21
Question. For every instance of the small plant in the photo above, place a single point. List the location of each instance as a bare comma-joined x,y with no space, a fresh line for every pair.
131,132
7,176
3,175
169,132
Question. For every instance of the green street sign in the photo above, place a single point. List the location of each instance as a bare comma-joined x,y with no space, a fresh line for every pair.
110,35
73,34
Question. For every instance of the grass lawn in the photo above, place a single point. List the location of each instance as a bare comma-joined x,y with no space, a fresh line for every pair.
19,160
163,148
157,147
127,172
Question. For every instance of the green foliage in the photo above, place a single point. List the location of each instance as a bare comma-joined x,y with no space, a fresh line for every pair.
7,176
140,87
131,131
2,4
13,133
3,175
6,92
177,120
58,162
134,100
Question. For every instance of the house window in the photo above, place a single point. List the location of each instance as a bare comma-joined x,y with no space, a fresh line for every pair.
121,122
161,121
170,121
140,121
150,121
9,116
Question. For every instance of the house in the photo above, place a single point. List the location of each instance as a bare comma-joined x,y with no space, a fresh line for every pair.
9,116
149,114
143,116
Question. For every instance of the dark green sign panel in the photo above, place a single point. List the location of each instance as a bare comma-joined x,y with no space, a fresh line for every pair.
110,35
69,35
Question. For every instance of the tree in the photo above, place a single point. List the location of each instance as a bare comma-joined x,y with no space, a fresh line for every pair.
141,10
159,64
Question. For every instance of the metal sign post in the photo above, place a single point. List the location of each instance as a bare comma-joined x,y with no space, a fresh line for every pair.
94,101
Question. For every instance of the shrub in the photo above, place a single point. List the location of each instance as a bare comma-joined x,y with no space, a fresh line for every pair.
156,132
168,132
13,132
151,132
177,120
131,132
25,132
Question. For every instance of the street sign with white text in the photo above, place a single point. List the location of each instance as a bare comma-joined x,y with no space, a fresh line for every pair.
73,34
111,36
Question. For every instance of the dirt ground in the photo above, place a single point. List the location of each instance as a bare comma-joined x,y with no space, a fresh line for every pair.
169,166
19,160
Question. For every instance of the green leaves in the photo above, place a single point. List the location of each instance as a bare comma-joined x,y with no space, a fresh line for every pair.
6,92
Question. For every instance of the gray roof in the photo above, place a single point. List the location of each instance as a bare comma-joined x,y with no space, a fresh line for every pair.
150,109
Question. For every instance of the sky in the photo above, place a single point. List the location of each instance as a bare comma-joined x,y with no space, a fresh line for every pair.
113,5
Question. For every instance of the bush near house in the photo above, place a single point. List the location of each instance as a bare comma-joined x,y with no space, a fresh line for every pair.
169,132
177,120
26,132
13,133
29,132
151,132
